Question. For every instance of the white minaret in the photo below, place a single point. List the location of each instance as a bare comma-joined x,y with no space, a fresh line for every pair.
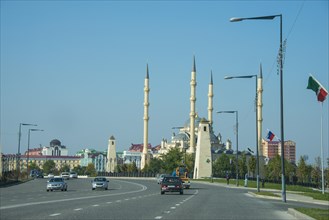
260,121
210,101
111,155
192,111
203,159
145,157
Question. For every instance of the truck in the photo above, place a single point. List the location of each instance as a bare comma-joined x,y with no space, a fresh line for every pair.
182,172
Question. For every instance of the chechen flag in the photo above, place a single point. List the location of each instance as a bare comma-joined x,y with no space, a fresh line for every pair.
270,135
320,91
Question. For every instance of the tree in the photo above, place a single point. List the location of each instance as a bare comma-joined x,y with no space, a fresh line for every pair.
132,168
49,166
34,166
65,168
90,170
172,159
302,170
155,166
243,165
80,170
252,164
222,165
316,172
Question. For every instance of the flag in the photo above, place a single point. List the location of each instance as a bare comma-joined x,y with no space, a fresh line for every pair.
270,136
319,90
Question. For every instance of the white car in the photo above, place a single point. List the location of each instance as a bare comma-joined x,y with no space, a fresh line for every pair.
50,175
65,175
73,175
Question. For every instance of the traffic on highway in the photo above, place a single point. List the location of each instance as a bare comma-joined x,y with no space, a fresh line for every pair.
133,198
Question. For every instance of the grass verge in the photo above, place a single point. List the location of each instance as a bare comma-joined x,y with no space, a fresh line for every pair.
319,214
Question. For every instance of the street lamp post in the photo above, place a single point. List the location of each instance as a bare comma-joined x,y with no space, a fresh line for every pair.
237,142
18,158
28,151
257,154
271,17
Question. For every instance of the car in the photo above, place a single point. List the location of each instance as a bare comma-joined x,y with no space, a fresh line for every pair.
56,183
160,177
65,175
39,175
50,175
172,184
73,175
100,183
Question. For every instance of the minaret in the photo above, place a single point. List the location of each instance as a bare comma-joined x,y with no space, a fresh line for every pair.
192,111
145,157
203,159
260,121
111,155
210,101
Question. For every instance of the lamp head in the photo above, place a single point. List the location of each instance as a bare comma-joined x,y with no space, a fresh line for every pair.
235,19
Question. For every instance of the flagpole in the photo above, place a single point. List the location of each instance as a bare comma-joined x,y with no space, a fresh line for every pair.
322,160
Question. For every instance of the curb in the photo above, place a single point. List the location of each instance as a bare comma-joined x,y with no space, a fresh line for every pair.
298,214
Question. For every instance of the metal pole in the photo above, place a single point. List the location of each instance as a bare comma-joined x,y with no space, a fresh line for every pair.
257,152
281,114
237,149
28,154
18,152
322,159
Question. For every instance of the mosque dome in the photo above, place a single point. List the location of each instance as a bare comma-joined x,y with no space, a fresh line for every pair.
183,136
55,142
112,138
196,124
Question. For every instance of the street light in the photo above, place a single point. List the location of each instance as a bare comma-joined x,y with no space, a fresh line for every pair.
271,17
237,142
28,151
19,147
257,156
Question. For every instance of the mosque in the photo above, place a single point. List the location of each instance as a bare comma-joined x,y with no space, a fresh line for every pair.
195,137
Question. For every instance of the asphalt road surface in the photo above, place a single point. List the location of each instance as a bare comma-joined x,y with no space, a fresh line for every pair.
133,199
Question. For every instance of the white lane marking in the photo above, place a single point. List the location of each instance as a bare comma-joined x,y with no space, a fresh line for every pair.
158,217
118,201
173,207
143,188
108,202
95,205
127,199
177,204
78,209
167,212
55,214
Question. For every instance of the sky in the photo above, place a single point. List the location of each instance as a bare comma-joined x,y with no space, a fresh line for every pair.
77,69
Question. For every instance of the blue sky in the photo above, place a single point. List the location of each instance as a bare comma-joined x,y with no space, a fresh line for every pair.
77,70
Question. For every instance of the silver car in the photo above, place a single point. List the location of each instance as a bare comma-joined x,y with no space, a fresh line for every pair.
65,175
160,178
100,183
73,175
56,183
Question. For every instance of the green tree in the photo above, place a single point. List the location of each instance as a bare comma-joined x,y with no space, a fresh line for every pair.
49,166
243,169
90,170
34,166
222,165
316,172
79,170
252,165
303,170
172,159
155,166
65,168
132,168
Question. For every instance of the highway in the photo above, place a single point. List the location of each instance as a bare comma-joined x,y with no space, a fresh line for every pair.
133,199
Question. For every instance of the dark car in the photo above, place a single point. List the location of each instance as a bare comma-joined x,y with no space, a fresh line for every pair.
172,184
